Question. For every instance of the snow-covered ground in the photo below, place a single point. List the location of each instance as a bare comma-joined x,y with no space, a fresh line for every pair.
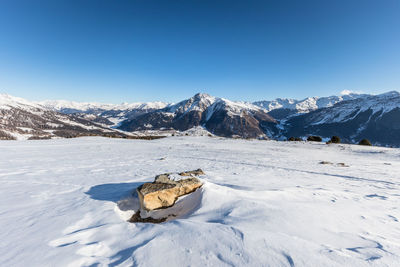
263,203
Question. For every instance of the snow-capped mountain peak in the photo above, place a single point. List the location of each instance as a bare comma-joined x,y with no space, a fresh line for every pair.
217,115
307,104
202,102
110,114
8,101
63,105
237,107
198,102
375,117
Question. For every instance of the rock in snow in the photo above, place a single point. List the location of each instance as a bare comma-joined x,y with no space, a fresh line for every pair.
165,190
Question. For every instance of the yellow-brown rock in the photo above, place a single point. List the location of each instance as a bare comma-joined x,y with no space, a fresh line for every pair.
192,173
164,191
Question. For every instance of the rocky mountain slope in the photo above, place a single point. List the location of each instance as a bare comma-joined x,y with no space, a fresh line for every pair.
21,119
375,117
219,116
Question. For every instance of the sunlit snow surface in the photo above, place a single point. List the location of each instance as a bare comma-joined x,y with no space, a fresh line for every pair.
263,203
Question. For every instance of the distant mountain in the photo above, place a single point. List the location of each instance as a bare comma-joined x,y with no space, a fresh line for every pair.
352,117
107,114
375,117
219,116
21,119
281,108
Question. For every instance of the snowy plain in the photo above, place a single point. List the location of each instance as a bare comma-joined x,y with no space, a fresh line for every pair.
263,203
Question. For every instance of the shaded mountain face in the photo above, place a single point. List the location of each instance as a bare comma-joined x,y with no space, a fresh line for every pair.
219,116
20,119
98,119
376,118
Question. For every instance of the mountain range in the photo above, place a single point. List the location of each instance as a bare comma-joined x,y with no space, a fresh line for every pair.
350,116
22,119
219,116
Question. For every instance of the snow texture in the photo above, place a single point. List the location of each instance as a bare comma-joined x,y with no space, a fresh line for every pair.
66,202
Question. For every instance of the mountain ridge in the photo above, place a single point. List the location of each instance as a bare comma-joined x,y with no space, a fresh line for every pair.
218,115
306,104
374,117
351,116
22,119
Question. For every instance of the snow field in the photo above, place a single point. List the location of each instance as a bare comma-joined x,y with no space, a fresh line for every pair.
65,202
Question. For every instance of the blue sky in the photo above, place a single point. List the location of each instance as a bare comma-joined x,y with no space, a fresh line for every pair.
124,51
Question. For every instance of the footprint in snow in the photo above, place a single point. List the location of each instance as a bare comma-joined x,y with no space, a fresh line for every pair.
376,196
393,218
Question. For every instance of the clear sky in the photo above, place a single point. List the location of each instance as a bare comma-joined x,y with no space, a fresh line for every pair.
125,51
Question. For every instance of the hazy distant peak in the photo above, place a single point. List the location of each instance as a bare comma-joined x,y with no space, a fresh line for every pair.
60,105
8,101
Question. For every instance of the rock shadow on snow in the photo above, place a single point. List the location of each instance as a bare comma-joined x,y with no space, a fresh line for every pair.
112,192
